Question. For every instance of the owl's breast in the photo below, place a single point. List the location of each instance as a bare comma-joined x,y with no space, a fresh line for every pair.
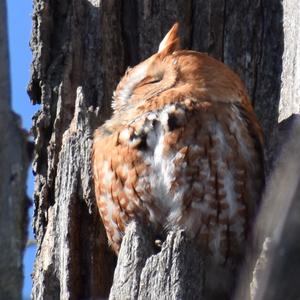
190,165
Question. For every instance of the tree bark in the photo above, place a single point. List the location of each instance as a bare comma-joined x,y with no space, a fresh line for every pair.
277,268
175,272
13,172
279,224
80,50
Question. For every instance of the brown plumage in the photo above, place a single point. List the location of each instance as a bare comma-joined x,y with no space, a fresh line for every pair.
183,150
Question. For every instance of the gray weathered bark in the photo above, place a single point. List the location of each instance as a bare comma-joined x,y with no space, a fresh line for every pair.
174,273
290,88
279,225
13,172
277,269
80,50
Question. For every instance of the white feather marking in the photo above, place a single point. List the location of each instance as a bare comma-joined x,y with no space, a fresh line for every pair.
135,76
215,243
108,174
124,135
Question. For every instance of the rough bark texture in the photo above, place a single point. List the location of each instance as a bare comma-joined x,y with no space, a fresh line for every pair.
13,173
142,273
273,273
277,270
80,50
290,89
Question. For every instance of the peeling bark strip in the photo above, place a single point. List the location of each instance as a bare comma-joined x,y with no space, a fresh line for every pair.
80,50
14,163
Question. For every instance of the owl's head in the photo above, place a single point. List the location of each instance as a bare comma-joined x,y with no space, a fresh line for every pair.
185,72
150,76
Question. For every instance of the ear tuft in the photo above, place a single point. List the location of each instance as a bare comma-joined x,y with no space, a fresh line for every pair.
171,41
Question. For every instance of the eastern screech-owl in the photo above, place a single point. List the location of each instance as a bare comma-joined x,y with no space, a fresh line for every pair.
183,150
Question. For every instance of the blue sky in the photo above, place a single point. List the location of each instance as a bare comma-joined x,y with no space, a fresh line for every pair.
19,29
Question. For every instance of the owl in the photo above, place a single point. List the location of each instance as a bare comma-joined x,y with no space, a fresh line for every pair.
182,150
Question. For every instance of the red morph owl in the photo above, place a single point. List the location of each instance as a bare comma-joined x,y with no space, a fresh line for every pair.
182,150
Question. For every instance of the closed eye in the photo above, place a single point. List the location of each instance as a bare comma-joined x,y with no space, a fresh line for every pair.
147,81
153,81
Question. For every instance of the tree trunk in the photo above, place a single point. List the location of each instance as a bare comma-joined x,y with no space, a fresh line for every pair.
174,273
80,50
13,172
277,270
